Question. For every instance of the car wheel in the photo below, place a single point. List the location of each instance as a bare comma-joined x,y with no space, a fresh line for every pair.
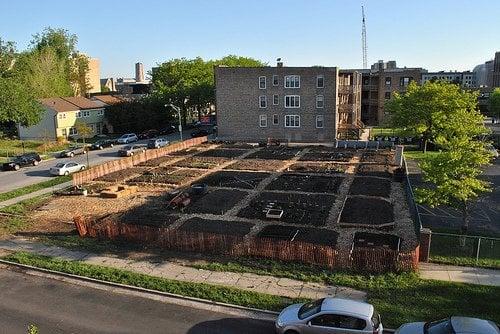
71,155
35,162
83,167
17,167
110,145
101,148
66,173
131,153
291,332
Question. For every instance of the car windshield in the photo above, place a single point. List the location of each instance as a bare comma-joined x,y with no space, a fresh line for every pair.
152,141
309,309
60,165
127,148
442,326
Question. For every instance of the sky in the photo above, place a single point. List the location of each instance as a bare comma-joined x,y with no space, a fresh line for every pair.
433,34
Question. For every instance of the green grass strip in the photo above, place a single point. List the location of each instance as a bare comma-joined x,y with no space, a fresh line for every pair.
34,187
189,289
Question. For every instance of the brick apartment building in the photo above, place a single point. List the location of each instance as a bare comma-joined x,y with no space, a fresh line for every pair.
292,104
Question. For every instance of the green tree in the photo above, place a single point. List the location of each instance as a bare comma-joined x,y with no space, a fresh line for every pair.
7,56
84,130
453,176
495,102
436,111
17,104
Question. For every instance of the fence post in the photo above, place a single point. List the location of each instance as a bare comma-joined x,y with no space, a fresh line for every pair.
478,247
425,244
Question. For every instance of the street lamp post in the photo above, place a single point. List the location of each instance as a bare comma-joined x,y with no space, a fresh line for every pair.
179,114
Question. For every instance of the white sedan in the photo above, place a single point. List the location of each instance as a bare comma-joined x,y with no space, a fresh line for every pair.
66,168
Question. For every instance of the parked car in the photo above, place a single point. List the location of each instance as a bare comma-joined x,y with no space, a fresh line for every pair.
66,168
130,150
127,138
101,144
168,130
157,143
149,134
452,325
199,133
73,150
28,159
329,315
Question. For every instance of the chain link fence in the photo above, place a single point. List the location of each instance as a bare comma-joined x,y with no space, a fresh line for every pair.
466,250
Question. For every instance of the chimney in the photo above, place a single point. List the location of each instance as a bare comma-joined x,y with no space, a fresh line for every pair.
279,63
139,72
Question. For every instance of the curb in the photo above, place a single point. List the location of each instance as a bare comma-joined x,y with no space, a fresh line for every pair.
248,311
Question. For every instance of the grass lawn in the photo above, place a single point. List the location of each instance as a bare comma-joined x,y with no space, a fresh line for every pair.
385,132
13,147
17,218
34,187
419,155
197,290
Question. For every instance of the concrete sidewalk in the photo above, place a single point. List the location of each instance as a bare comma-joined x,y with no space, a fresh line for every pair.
459,274
259,283
34,194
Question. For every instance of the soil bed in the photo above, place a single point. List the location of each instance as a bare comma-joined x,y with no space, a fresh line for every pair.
176,177
302,209
376,240
156,175
230,179
306,183
201,162
275,153
375,170
367,212
148,215
323,168
340,156
237,145
303,234
121,175
221,153
216,202
378,157
256,164
216,226
370,186
156,162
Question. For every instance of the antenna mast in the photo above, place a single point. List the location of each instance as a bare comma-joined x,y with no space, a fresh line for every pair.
363,39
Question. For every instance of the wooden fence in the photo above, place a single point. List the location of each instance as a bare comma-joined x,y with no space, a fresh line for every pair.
360,259
120,164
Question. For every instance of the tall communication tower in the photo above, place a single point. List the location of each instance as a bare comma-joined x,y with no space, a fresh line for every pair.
363,39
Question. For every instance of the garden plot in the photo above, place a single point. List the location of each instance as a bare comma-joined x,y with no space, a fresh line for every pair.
216,202
122,175
237,145
149,215
302,209
302,234
385,157
216,226
222,153
156,175
306,183
320,168
201,162
275,153
176,177
376,240
189,151
367,212
338,155
376,170
370,186
157,161
232,179
257,164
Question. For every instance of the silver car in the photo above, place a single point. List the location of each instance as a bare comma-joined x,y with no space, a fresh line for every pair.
66,168
329,316
452,325
130,150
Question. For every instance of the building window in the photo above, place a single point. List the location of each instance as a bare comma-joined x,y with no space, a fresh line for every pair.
276,99
388,81
262,101
319,121
275,80
73,132
263,121
366,81
404,81
320,101
262,82
292,101
64,132
387,95
292,121
86,113
62,115
78,114
100,112
275,119
292,81
320,81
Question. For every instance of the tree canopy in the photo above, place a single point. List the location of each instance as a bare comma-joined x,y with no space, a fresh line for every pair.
495,102
437,111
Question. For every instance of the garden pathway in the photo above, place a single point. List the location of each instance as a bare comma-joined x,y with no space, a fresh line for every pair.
34,194
259,283
461,274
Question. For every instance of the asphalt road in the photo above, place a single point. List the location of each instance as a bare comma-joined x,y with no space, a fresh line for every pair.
10,180
59,307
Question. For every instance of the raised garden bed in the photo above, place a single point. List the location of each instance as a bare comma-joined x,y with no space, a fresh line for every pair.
375,170
201,162
367,213
156,162
322,168
156,175
302,209
233,179
189,151
121,175
306,183
256,164
370,186
275,153
216,202
222,153
152,214
176,177
197,224
376,240
302,234
331,155
385,157
236,145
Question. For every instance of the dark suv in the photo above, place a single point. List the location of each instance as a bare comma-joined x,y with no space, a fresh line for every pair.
28,159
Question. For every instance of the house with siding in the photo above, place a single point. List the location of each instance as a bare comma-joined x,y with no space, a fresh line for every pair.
60,116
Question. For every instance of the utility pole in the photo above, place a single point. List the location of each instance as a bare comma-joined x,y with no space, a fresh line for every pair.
179,114
363,39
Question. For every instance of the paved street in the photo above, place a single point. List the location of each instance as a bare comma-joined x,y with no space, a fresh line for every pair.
10,180
59,307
